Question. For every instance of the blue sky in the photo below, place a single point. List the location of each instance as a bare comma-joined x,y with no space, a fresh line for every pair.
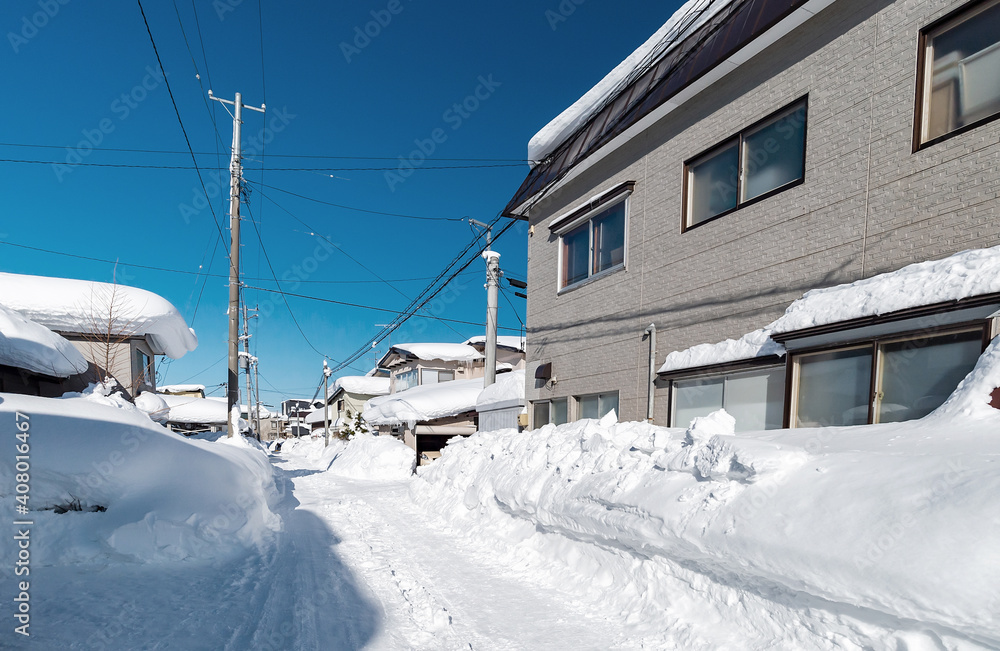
82,78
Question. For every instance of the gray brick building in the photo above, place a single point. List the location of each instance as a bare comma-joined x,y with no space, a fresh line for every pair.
896,166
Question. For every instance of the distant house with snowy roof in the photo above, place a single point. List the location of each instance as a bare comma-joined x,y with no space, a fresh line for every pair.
748,153
347,398
119,329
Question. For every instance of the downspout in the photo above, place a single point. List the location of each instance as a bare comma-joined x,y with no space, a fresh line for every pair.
650,332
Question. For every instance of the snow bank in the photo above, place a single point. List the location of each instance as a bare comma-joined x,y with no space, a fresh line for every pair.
195,410
165,497
879,536
507,391
685,20
154,406
424,403
374,457
755,344
363,385
29,345
443,352
969,273
67,305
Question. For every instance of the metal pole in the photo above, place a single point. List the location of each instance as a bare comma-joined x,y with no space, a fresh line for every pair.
256,384
651,333
492,286
233,394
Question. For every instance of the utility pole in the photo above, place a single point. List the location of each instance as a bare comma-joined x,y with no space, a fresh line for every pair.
326,408
492,287
250,361
235,181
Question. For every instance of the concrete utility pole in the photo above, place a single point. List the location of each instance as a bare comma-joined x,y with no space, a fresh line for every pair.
326,408
492,287
235,181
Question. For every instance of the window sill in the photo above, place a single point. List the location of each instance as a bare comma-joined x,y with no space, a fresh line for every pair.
594,278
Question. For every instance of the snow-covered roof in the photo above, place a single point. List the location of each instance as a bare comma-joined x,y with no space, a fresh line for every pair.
181,388
316,415
683,22
507,391
194,410
31,346
363,385
424,403
970,273
513,342
755,344
439,351
77,306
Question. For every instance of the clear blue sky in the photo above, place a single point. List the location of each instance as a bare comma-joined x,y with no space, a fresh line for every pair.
79,73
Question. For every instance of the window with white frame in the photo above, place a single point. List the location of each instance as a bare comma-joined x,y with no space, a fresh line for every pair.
755,398
960,70
553,411
885,381
755,163
593,246
596,405
434,376
406,380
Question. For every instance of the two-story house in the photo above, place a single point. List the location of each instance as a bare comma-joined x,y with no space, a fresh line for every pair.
749,152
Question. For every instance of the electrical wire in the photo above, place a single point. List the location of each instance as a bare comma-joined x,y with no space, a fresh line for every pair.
273,169
364,210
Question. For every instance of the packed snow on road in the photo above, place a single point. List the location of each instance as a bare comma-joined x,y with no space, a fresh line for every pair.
590,535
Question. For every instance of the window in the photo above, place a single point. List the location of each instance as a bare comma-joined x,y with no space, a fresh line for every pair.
960,70
754,398
593,247
405,380
596,405
884,382
144,369
762,159
433,376
550,411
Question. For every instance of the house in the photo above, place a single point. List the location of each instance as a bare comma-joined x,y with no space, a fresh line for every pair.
501,405
119,329
747,154
347,398
36,361
196,390
294,412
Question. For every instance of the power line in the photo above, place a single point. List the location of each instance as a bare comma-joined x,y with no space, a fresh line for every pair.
364,210
272,169
210,275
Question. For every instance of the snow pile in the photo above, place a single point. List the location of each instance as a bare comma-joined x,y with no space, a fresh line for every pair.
878,536
969,273
144,493
154,406
755,344
507,391
363,385
685,20
424,403
31,346
438,351
374,457
194,410
81,306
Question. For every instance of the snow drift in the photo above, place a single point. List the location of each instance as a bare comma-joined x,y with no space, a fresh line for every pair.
165,497
878,536
362,457
29,345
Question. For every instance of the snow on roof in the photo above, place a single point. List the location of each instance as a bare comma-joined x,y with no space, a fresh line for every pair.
181,388
67,305
684,21
194,410
513,342
969,273
508,390
755,344
31,346
363,385
439,351
316,415
424,403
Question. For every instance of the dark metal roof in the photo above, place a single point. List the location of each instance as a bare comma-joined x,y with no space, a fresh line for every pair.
714,42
